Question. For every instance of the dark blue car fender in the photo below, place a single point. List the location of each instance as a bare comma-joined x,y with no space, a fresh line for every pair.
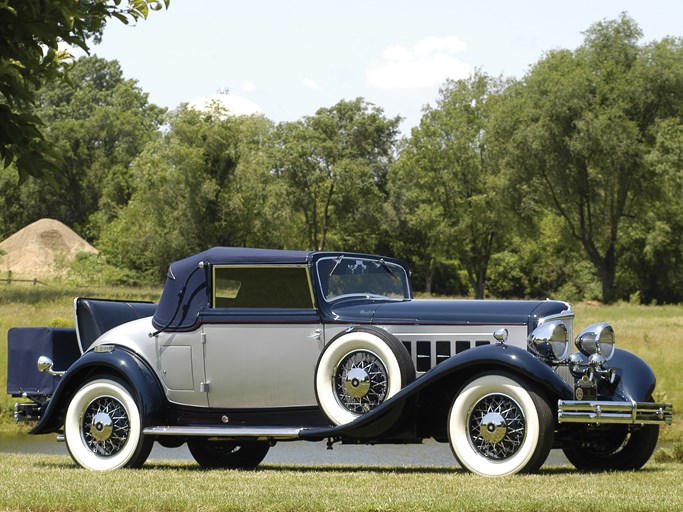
440,386
120,363
635,379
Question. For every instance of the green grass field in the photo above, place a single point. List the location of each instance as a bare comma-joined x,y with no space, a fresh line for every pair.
53,483
655,333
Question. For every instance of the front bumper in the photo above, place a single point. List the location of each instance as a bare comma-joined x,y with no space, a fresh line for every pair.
598,412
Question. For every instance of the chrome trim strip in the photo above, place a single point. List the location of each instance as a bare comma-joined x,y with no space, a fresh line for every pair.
606,412
263,433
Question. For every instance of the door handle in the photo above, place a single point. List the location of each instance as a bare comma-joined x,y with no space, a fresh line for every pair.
316,335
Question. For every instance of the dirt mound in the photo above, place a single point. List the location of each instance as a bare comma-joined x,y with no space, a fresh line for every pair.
41,249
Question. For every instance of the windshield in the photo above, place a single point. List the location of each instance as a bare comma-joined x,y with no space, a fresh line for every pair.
344,276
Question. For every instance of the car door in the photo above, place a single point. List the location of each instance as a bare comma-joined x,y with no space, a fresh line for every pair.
262,337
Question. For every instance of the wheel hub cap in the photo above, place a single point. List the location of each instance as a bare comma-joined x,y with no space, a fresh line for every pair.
493,427
105,426
496,427
360,381
357,383
102,427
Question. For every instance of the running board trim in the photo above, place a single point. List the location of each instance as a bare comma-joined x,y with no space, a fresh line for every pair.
256,433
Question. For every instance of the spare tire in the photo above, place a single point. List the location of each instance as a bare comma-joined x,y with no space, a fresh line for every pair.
358,370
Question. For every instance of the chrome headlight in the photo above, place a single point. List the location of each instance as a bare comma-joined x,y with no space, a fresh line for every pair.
550,340
596,339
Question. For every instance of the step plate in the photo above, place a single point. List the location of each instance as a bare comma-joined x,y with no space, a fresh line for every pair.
255,433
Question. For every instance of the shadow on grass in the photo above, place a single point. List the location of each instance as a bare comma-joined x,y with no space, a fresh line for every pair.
60,462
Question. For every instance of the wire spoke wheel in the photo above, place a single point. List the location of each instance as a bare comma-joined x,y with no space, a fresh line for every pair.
358,370
496,427
361,381
105,426
500,425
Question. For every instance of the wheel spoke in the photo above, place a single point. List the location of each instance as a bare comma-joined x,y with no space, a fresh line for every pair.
105,426
496,427
350,393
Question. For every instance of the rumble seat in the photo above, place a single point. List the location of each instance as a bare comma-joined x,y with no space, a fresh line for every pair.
94,317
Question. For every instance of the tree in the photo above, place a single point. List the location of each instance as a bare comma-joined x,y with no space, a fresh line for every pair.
653,255
30,56
333,168
97,123
205,183
584,125
446,185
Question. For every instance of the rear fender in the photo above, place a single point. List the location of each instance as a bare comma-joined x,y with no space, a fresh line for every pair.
120,363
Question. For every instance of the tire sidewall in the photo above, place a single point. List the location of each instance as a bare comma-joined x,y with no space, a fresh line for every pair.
334,353
213,454
78,450
458,433
634,452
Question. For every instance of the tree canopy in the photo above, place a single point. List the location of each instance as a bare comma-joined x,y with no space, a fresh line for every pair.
562,183
585,123
97,124
31,32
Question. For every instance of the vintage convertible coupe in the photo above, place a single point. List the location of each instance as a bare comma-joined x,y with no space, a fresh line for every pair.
249,347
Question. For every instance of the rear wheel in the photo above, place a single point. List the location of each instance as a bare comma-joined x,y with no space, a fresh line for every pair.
499,426
103,427
227,454
620,449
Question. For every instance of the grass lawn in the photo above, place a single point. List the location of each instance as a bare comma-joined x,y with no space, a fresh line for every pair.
53,483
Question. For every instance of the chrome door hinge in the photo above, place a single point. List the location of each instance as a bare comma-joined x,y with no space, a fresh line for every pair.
203,387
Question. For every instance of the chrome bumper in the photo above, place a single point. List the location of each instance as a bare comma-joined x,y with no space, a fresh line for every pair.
605,412
26,411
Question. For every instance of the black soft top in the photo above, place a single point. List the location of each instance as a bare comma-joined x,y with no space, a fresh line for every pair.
193,274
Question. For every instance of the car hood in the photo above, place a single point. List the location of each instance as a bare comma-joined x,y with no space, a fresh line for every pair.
450,312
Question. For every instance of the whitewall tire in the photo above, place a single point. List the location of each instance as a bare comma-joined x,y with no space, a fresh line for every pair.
359,370
499,425
103,427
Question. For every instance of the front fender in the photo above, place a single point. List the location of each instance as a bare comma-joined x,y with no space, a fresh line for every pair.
635,379
448,376
119,362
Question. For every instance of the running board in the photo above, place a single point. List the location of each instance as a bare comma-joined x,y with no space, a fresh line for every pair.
254,433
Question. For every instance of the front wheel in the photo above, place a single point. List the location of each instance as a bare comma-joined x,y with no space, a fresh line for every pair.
103,427
500,426
620,449
227,454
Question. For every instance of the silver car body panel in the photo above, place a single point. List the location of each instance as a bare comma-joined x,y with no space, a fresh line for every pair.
263,365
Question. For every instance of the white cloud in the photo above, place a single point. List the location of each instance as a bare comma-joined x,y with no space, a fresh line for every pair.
248,87
311,84
429,62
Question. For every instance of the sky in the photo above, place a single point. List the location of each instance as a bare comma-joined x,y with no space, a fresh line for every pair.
292,57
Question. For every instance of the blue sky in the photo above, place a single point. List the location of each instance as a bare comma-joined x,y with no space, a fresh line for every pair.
293,57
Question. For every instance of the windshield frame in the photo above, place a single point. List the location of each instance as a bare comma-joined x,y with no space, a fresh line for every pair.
392,268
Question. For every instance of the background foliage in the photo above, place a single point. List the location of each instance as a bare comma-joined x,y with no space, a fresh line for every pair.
33,38
562,183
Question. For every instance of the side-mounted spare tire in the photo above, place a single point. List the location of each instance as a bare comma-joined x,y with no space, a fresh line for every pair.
358,370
